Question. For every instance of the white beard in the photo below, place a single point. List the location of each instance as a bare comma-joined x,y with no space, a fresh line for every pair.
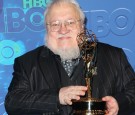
66,53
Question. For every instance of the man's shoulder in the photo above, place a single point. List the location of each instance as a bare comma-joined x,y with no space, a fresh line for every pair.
33,53
106,46
109,50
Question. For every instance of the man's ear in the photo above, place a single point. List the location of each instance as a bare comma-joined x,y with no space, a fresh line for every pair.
82,26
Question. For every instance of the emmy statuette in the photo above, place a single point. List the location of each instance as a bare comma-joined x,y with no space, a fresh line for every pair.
88,105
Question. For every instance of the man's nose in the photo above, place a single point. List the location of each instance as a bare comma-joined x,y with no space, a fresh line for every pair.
63,29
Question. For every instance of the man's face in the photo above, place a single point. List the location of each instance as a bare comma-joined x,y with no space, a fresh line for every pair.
65,37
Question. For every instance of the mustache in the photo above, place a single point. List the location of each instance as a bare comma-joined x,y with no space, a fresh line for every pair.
61,35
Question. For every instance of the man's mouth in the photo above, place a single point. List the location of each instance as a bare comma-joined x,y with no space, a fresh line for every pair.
64,37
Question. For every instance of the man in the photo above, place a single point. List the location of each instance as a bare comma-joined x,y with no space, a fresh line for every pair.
43,85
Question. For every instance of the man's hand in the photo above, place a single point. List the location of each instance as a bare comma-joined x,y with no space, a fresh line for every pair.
67,94
112,105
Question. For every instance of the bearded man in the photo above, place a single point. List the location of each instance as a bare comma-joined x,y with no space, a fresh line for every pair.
47,79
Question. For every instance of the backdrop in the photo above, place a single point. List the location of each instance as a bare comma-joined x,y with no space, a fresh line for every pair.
22,29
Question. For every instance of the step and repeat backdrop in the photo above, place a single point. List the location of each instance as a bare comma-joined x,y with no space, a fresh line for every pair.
22,29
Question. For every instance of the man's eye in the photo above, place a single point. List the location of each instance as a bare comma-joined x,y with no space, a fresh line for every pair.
55,24
71,22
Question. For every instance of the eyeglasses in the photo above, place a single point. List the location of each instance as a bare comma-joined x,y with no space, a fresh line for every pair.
69,24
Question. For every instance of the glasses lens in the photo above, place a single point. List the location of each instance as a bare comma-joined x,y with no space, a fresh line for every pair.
55,26
71,24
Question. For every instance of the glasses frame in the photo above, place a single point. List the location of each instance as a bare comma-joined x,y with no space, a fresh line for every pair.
66,24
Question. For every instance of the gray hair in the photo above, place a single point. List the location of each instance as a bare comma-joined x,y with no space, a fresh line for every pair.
58,2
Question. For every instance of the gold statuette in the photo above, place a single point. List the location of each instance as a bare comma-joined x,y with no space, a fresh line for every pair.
88,105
